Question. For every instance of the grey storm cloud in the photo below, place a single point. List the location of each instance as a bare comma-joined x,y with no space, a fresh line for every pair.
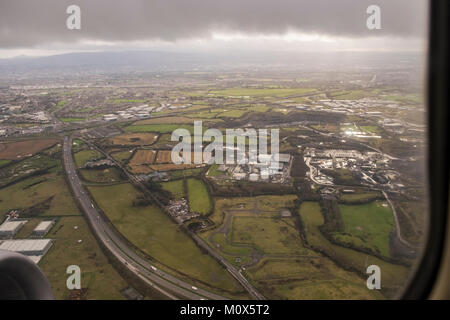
37,22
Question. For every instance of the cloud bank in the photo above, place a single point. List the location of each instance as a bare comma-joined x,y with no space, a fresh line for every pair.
30,23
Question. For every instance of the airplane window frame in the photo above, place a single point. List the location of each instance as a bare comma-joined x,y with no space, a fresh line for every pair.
427,268
424,275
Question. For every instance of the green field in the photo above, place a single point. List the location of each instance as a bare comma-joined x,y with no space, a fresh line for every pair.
153,231
257,108
341,176
405,98
72,119
59,105
101,175
269,235
311,216
158,128
4,162
361,196
368,226
36,191
176,174
199,200
275,203
287,269
122,156
236,113
77,145
270,204
351,95
82,157
213,171
97,274
220,238
283,92
370,129
118,101
175,187
165,120
207,114
22,169
315,278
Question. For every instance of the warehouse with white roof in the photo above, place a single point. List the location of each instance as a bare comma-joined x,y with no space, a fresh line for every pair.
9,228
28,247
43,228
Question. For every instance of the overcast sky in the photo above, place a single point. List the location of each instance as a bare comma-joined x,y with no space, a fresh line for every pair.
38,27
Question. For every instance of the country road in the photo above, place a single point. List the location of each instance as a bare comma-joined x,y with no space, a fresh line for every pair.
166,284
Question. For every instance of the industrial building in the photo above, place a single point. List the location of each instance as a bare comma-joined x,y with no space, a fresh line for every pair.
28,247
43,228
9,228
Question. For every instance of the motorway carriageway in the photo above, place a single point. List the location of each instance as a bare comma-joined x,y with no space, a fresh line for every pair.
154,277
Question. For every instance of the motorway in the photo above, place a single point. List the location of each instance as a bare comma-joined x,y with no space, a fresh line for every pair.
166,284
200,242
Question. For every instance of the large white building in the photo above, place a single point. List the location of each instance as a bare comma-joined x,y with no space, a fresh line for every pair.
28,247
43,228
9,228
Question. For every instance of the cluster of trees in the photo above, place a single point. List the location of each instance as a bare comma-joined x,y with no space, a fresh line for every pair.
158,193
332,217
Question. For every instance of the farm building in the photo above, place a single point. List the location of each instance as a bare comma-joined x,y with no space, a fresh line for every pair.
43,228
9,228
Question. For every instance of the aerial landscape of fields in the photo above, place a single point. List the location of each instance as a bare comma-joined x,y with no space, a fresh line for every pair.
244,165
308,234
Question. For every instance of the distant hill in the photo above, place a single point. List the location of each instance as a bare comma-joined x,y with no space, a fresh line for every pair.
149,61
